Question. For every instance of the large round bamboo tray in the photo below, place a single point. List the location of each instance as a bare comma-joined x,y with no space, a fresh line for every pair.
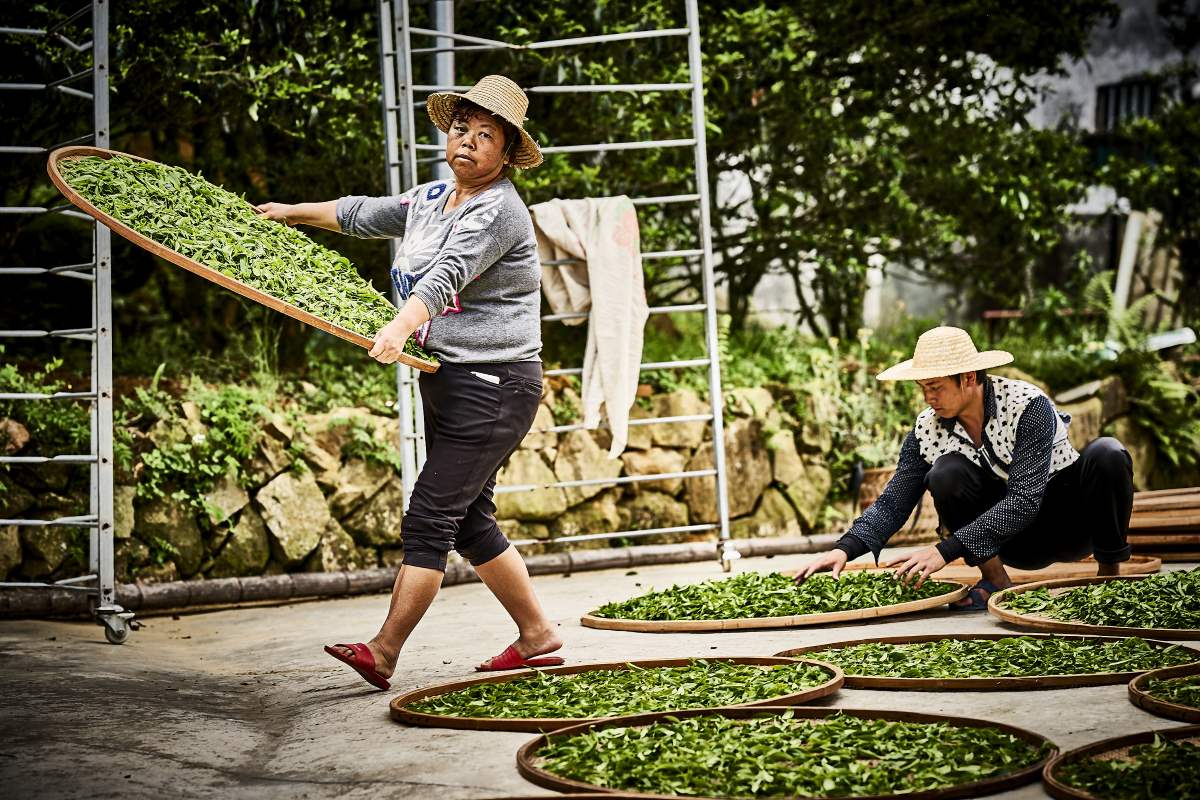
1156,705
759,623
1040,623
180,260
527,756
979,684
402,713
1115,748
959,572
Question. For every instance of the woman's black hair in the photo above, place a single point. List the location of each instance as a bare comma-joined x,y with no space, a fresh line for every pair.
464,110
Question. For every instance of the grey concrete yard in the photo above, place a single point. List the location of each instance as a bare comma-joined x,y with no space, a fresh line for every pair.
243,702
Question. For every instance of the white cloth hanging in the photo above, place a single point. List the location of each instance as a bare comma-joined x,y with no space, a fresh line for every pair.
605,280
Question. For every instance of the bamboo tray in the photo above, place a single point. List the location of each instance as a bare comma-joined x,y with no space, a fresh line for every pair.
529,768
1040,623
980,684
758,623
1113,748
1156,705
959,572
180,260
402,713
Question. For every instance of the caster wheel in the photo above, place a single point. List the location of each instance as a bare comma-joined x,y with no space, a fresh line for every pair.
117,636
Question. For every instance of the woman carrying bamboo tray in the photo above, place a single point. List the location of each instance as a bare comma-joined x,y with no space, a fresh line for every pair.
469,280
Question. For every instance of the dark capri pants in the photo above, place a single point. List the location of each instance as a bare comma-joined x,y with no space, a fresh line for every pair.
1085,510
472,426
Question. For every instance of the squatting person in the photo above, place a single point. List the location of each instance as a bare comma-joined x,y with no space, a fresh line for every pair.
468,275
1006,482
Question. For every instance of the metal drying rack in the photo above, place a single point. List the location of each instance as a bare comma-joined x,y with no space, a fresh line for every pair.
403,159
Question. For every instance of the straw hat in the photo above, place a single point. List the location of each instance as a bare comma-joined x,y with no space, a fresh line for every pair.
942,352
500,96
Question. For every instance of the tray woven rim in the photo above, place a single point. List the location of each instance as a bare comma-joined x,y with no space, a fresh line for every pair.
529,770
758,623
1056,788
400,712
1037,623
984,684
1156,705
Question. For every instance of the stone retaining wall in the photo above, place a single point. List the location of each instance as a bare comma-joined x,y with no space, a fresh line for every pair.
307,503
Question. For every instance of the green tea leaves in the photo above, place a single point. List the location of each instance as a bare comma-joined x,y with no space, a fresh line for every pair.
1184,691
613,692
781,756
220,230
1162,768
1012,657
1169,600
754,594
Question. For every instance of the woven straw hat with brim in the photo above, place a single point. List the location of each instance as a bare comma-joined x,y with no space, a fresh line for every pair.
943,352
500,96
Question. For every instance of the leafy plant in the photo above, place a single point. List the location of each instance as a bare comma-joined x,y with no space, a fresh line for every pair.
1011,657
1184,690
217,228
1170,600
632,690
58,426
782,756
187,466
1162,768
754,594
364,444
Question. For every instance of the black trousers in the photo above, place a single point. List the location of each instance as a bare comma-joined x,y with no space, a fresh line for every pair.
1085,510
475,417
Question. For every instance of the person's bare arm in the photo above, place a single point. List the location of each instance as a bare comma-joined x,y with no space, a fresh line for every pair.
318,215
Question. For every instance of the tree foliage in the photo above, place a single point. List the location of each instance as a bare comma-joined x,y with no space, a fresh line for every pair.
840,135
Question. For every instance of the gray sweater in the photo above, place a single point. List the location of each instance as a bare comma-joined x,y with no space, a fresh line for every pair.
476,269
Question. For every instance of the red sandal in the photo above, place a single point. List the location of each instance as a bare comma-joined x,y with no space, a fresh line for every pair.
511,659
363,663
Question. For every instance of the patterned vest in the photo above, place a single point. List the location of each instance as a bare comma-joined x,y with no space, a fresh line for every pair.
937,438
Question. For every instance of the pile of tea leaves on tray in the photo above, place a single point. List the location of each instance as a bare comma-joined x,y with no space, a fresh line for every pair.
220,230
1151,771
1184,690
756,594
779,755
1169,600
1010,657
633,690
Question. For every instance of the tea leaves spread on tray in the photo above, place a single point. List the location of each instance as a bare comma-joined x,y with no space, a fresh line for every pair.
1011,657
1184,691
220,230
1169,600
754,594
1159,769
781,756
613,692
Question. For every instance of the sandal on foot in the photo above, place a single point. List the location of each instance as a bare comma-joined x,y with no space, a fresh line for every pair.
362,662
979,600
511,659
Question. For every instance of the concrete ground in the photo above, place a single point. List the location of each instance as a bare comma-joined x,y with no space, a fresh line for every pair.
243,703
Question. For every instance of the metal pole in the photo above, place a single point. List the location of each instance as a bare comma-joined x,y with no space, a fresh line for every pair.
695,70
442,12
110,614
407,397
